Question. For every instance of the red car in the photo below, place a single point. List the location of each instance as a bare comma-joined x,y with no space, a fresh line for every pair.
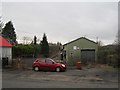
47,64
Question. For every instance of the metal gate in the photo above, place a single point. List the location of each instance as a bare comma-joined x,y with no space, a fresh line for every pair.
88,56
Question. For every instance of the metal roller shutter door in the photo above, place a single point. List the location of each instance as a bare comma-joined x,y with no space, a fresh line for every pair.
88,55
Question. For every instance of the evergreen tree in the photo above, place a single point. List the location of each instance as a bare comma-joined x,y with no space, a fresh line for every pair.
8,32
35,40
44,46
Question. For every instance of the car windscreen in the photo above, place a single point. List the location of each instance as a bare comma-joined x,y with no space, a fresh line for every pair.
52,60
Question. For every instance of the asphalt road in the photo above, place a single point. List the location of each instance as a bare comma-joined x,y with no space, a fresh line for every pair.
72,78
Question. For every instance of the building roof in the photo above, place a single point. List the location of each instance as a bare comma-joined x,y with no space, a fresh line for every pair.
4,42
79,39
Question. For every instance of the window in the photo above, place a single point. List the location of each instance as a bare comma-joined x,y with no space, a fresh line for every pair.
49,61
74,47
42,61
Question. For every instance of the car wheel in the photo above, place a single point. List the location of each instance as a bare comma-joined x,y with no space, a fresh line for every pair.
58,69
36,68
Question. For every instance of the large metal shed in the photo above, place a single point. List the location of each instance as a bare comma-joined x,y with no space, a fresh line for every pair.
80,50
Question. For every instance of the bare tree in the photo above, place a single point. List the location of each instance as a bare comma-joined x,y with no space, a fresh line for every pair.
26,40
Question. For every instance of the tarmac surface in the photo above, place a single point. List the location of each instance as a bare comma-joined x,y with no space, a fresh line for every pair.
96,77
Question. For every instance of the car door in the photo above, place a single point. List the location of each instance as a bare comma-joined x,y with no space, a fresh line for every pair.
42,64
50,64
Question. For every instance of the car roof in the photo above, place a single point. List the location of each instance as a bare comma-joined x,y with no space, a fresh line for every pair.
42,58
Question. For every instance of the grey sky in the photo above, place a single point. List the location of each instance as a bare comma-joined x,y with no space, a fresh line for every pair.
63,21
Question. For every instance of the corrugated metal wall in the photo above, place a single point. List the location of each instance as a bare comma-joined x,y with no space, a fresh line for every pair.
6,52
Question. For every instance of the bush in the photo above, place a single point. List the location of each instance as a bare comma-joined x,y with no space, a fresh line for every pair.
108,55
26,51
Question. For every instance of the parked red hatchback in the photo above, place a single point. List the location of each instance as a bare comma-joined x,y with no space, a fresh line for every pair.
47,64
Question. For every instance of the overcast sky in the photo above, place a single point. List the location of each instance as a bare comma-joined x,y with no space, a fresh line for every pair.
63,21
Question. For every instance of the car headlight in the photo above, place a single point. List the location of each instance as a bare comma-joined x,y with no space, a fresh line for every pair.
63,65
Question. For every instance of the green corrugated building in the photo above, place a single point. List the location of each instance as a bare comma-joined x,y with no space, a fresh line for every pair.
81,49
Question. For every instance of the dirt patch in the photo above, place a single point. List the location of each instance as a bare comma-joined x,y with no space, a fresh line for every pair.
20,64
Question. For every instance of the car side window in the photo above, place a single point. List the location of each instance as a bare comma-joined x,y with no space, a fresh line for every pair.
49,61
41,61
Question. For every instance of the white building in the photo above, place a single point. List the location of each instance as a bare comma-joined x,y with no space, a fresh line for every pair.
5,49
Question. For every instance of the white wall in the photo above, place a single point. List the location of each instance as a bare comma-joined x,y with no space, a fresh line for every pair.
0,57
6,52
0,53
